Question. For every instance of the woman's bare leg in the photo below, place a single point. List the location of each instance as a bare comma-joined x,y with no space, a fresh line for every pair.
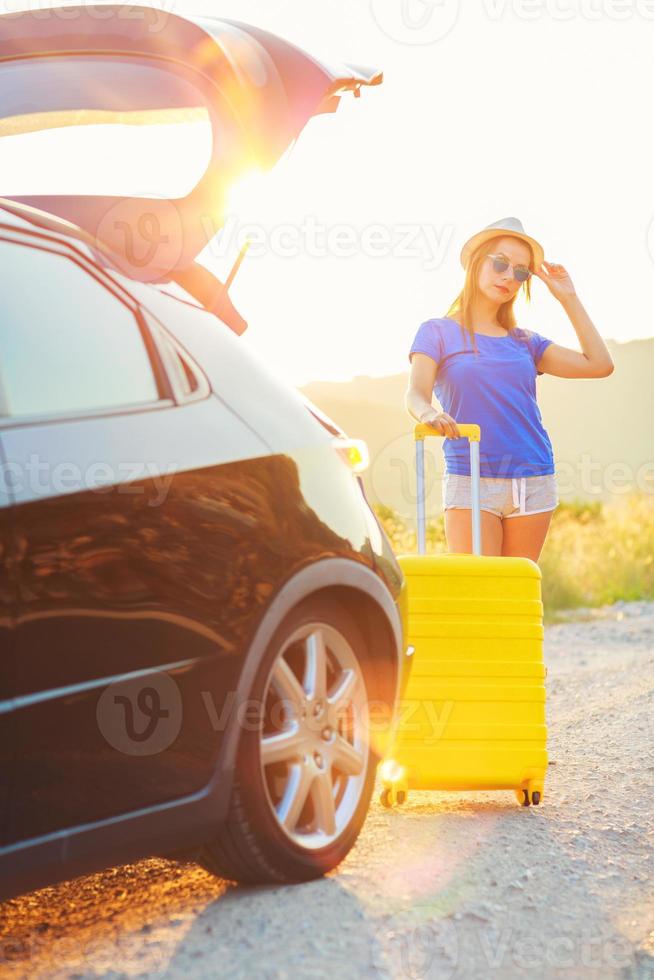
524,536
458,531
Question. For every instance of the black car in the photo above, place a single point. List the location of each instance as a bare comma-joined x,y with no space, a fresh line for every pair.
202,620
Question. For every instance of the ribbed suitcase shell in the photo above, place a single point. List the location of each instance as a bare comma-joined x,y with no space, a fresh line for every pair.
473,713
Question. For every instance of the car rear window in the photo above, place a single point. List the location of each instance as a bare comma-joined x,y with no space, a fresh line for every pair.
102,126
67,344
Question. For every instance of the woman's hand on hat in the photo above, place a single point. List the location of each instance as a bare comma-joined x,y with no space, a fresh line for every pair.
557,280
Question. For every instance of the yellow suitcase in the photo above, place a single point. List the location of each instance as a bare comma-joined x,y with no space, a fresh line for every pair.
473,713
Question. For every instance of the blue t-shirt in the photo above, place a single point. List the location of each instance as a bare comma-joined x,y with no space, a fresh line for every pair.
496,389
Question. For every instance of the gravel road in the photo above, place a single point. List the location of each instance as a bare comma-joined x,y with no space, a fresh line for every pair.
451,885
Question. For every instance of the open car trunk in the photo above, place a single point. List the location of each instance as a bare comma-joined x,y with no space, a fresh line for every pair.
105,67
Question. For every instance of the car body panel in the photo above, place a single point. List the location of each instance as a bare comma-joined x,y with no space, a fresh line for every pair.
8,612
98,565
187,822
278,413
146,579
111,592
270,528
235,372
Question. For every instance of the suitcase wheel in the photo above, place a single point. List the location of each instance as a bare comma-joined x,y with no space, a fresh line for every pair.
525,797
389,797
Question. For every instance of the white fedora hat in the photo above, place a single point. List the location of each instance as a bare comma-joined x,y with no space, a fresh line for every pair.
506,226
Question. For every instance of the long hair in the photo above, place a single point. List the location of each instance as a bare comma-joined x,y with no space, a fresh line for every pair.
464,302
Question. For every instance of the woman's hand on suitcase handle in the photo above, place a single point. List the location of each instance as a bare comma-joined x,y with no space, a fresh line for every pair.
441,421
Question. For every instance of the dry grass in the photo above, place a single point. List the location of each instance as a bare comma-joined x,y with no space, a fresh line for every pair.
594,554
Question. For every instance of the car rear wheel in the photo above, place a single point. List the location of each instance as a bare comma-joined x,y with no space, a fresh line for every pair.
305,770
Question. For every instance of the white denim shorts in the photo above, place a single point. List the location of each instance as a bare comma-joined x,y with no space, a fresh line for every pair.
503,496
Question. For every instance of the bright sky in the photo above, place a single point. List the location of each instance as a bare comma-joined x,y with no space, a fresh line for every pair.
533,109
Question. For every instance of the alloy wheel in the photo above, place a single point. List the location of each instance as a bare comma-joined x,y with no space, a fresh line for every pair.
314,739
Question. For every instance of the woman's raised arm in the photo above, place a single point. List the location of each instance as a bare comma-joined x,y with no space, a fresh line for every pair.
594,359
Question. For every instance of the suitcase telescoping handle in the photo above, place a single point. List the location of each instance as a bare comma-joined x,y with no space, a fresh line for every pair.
473,434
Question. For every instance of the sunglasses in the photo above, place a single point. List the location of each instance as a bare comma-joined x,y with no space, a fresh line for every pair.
500,264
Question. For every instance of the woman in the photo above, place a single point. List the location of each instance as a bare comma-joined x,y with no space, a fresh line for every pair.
482,368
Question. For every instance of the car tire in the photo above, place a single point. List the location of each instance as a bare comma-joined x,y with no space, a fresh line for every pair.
307,741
